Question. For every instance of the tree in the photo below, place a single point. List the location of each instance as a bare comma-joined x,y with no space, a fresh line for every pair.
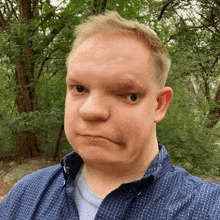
198,35
33,33
34,45
191,129
32,26
214,112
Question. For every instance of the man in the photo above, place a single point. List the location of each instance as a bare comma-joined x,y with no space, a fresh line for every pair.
116,95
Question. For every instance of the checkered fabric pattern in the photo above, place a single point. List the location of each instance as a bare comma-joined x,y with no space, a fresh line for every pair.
165,192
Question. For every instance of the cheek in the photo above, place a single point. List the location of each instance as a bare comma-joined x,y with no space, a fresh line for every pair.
135,125
129,124
68,114
70,109
69,119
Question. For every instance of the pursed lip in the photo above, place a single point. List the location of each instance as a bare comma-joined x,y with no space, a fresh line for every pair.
101,138
95,138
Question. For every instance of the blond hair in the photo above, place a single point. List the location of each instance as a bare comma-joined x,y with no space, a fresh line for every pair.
112,21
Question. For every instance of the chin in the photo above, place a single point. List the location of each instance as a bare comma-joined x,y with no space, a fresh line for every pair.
94,157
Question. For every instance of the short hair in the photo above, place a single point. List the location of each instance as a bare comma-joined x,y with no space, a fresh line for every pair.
112,21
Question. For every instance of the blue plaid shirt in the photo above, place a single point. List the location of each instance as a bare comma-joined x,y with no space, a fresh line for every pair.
165,192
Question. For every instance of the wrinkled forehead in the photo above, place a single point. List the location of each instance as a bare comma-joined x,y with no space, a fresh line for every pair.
119,53
116,42
115,49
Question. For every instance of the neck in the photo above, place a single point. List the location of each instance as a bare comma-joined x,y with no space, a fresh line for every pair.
104,178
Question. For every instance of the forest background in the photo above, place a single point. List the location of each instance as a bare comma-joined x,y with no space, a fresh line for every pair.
35,38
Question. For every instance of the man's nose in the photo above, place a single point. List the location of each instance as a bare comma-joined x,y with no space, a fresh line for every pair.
94,108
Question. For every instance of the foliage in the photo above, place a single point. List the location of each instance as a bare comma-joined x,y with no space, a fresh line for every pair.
189,30
193,45
191,145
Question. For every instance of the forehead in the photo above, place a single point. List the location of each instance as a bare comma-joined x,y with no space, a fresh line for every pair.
115,56
114,45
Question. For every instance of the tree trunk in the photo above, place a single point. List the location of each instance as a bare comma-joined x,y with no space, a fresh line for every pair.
27,144
59,141
214,112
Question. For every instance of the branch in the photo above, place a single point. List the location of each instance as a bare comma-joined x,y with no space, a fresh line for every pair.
199,20
180,32
47,17
49,38
217,2
99,6
58,141
204,75
217,96
195,90
35,2
216,60
216,29
214,112
104,5
164,9
12,8
3,22
214,23
42,66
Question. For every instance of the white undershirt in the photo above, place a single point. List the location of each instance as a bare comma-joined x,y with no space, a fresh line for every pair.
87,203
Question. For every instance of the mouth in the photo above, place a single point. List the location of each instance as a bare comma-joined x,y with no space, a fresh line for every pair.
94,138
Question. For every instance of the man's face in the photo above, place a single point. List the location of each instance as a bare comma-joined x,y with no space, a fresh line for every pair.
111,100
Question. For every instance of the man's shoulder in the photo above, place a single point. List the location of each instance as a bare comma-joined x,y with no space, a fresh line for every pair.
41,177
187,182
195,191
179,195
192,181
34,190
32,185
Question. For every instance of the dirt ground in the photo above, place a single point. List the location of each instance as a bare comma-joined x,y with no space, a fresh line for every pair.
4,189
12,171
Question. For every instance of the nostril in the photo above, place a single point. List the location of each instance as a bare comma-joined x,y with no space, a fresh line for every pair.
94,110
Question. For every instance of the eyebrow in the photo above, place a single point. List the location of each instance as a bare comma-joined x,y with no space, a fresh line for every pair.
122,85
127,85
71,80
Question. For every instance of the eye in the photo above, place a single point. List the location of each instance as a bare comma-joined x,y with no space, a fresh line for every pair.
78,88
133,97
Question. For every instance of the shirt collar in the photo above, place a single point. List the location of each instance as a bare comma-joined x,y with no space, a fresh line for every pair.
72,162
160,165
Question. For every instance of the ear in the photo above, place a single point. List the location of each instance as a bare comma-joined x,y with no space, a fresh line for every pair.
164,97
